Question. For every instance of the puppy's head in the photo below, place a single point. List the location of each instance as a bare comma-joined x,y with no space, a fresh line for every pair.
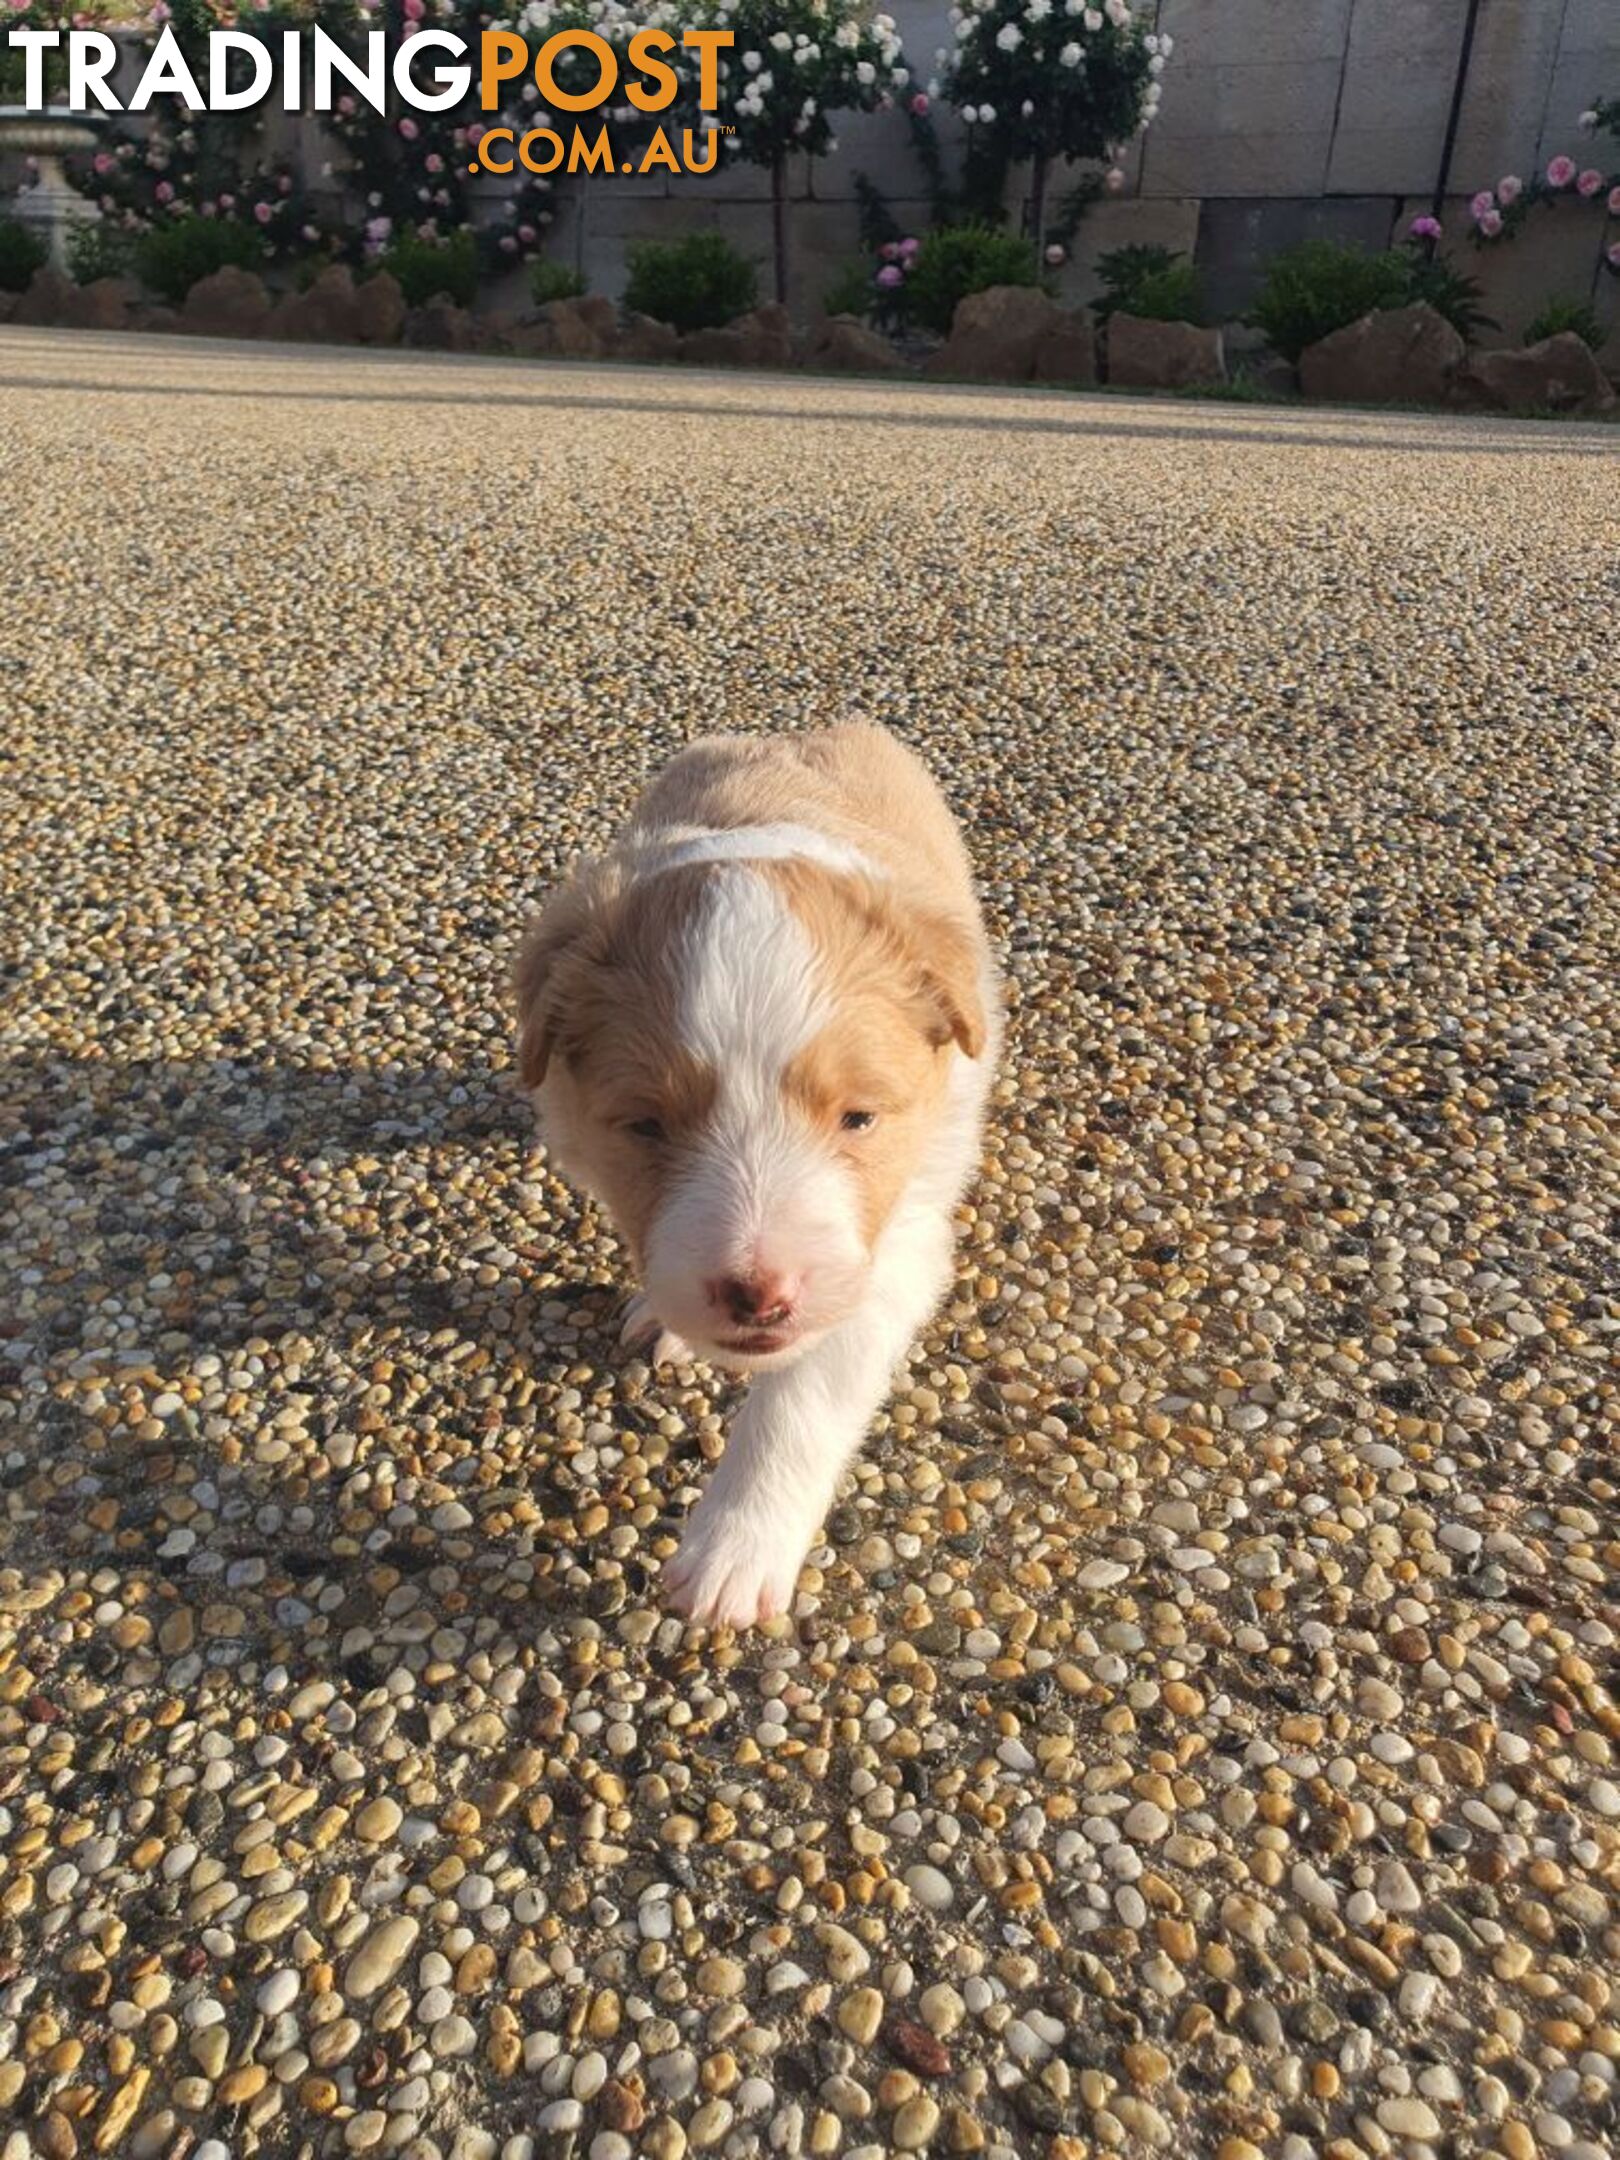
744,1061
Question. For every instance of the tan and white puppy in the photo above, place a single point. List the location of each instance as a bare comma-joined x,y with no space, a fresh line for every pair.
761,1030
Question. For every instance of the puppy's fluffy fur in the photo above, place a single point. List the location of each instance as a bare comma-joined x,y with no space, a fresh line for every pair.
761,1030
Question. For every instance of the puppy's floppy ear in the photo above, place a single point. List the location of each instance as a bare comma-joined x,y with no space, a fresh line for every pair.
948,958
550,953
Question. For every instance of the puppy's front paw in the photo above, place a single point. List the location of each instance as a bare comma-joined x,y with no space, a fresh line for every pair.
733,1565
644,1331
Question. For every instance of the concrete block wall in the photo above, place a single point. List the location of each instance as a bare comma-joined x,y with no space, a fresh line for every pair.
1281,118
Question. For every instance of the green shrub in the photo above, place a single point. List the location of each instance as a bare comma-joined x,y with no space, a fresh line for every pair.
1563,313
22,252
1313,290
955,260
426,268
695,283
99,251
850,293
1174,294
1451,293
550,280
170,258
1122,273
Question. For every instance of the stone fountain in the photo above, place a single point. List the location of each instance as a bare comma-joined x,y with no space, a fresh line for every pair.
51,207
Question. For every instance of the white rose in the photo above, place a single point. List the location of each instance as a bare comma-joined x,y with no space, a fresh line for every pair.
1093,21
1156,65
1069,56
1009,37
970,113
865,73
751,62
987,113
780,41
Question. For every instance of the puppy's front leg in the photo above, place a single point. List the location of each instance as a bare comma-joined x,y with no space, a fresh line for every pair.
746,1539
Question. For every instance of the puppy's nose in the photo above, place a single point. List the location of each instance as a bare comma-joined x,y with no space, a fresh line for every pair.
762,1300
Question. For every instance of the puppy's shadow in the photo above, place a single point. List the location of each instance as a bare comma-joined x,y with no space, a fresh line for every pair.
274,1198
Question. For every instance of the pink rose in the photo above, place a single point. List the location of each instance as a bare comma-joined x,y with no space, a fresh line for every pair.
1613,256
1056,254
1589,183
890,276
1482,202
1508,189
1114,180
409,129
508,244
261,211
1491,224
919,104
1614,202
1560,172
284,184
164,192
528,235
890,251
908,248
414,10
433,162
227,202
101,162
1424,228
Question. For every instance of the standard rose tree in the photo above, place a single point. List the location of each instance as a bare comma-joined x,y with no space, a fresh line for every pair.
794,65
1044,79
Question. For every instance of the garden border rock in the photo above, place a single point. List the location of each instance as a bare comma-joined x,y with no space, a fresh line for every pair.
1145,354
1392,356
1009,334
1560,374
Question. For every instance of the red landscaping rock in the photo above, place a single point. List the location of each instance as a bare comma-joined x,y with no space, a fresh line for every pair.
1395,356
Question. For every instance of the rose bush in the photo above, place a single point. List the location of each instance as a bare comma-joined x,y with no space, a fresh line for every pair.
1499,212
393,176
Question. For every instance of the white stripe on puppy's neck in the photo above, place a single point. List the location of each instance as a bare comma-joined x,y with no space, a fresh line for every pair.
679,846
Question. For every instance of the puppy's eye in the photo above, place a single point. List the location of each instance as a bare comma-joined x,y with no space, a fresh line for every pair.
646,1128
858,1120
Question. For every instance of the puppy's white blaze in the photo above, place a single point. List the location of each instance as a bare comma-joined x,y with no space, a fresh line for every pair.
750,1000
759,1193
